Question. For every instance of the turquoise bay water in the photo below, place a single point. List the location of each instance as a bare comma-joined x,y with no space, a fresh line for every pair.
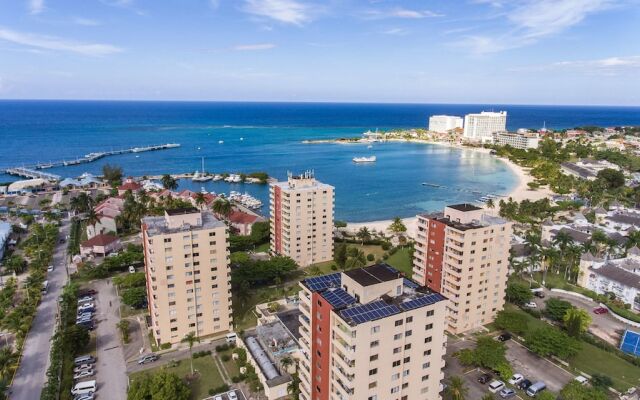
41,131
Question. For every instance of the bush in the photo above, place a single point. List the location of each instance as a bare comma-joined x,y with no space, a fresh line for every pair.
385,246
225,358
370,257
236,379
165,346
220,389
393,251
221,348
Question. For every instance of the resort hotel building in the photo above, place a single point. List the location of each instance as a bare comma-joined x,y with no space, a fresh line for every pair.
520,140
370,333
464,254
302,219
481,127
187,267
444,123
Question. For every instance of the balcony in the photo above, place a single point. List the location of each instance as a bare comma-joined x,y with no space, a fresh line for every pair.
349,391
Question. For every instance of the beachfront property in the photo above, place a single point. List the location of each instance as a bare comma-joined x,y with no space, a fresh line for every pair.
619,276
187,268
463,253
302,219
370,333
481,127
444,123
520,140
587,169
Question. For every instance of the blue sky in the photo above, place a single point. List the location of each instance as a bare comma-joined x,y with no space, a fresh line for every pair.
429,51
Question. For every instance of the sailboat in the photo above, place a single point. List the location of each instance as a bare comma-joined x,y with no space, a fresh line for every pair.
201,177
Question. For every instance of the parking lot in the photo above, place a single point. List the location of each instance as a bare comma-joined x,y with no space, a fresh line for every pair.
524,362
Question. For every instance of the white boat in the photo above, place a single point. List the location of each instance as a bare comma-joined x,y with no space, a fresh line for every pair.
241,139
369,147
197,177
364,159
220,141
217,178
233,178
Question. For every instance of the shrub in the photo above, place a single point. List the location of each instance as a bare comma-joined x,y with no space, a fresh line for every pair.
165,346
221,348
385,246
220,389
236,379
225,357
370,257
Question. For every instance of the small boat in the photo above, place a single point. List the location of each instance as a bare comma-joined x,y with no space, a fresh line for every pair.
369,147
220,141
359,160
430,184
197,177
217,178
241,139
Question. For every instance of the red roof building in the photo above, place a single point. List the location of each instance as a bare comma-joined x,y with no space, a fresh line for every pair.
100,245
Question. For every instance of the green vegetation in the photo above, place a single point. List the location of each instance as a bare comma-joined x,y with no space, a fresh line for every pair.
512,321
456,389
488,353
159,386
575,391
576,321
518,293
111,265
112,174
259,237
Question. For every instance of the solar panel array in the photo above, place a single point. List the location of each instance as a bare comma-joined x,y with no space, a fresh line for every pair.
370,312
410,283
422,301
631,343
338,298
318,283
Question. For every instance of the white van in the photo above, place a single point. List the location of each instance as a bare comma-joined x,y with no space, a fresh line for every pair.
231,338
88,359
84,388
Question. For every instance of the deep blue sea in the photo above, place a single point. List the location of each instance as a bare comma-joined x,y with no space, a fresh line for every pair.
42,131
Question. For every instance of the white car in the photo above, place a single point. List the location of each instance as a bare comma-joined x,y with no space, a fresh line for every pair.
132,269
82,367
531,304
83,374
496,386
50,268
86,397
516,379
581,380
86,306
217,397
85,299
232,395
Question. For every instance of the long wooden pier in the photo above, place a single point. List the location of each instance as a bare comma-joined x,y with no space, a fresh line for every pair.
35,170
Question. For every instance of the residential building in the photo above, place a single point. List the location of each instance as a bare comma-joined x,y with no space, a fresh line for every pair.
100,245
518,140
587,169
187,266
444,123
242,221
129,184
370,333
5,232
107,212
302,219
464,254
481,127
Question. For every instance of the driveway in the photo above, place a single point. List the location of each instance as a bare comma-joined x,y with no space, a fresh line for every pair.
111,376
454,368
535,368
165,358
31,375
603,326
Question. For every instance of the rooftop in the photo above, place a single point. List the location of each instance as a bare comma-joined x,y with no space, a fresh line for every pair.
622,276
183,211
100,240
158,225
464,207
373,274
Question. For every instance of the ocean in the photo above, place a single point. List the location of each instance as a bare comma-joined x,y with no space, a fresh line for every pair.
272,135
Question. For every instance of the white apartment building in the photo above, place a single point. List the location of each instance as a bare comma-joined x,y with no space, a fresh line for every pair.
518,140
481,127
369,333
444,123
302,219
188,277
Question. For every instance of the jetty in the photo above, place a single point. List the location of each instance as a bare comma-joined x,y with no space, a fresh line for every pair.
35,170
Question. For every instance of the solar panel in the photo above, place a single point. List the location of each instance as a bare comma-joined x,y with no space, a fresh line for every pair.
318,283
422,301
631,343
338,298
370,312
410,283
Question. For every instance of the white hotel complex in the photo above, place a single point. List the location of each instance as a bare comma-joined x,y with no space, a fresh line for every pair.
481,127
444,123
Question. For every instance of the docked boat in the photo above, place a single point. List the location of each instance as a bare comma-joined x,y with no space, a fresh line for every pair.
359,160
217,178
233,178
201,177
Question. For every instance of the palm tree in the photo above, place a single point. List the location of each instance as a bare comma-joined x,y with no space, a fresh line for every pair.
490,204
222,208
7,363
286,362
364,234
191,338
93,219
562,240
200,200
169,182
457,390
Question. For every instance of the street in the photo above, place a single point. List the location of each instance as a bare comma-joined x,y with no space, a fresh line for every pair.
111,377
31,375
179,354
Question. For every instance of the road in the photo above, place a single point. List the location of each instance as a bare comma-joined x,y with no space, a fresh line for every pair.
111,377
602,325
31,375
179,354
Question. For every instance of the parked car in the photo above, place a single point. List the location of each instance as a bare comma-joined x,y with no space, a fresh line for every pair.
86,292
147,358
600,310
82,367
50,268
496,386
539,294
85,299
581,380
86,359
524,385
484,378
84,374
531,304
88,325
516,379
89,396
232,395
217,397
507,393
86,307
536,388
504,337
132,269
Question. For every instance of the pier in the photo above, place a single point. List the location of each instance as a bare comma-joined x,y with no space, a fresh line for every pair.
35,171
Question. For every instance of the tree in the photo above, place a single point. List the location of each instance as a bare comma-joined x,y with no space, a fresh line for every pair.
602,382
79,336
15,264
112,174
548,341
340,254
576,391
200,200
556,308
546,395
222,208
491,204
169,182
576,321
191,338
286,362
397,226
457,389
363,234
159,386
518,293
511,321
134,297
92,218
613,179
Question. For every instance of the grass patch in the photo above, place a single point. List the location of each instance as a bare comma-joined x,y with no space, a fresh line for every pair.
152,342
401,260
231,366
594,360
210,377
263,248
243,316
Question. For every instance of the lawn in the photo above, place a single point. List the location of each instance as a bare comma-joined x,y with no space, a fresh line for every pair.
243,316
210,377
401,260
231,366
263,248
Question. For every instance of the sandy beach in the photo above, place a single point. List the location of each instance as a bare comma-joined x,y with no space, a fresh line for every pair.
519,193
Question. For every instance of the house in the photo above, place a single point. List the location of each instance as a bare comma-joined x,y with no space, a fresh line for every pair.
107,212
5,231
243,222
100,245
129,184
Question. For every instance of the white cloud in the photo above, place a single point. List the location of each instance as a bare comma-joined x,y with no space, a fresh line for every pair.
396,31
52,43
85,21
254,47
529,21
401,13
36,6
287,11
605,66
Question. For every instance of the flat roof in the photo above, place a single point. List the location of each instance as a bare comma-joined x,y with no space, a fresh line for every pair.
372,275
183,211
465,207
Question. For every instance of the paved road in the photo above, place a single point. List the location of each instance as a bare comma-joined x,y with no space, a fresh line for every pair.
603,325
165,358
535,368
30,377
111,376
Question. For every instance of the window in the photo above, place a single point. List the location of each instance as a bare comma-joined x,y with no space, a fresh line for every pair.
396,363
428,327
399,322
375,343
395,377
428,340
426,365
395,389
405,372
374,397
396,350
407,346
409,319
373,357
373,371
427,352
397,336
375,329
406,359
408,333
430,313
425,378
